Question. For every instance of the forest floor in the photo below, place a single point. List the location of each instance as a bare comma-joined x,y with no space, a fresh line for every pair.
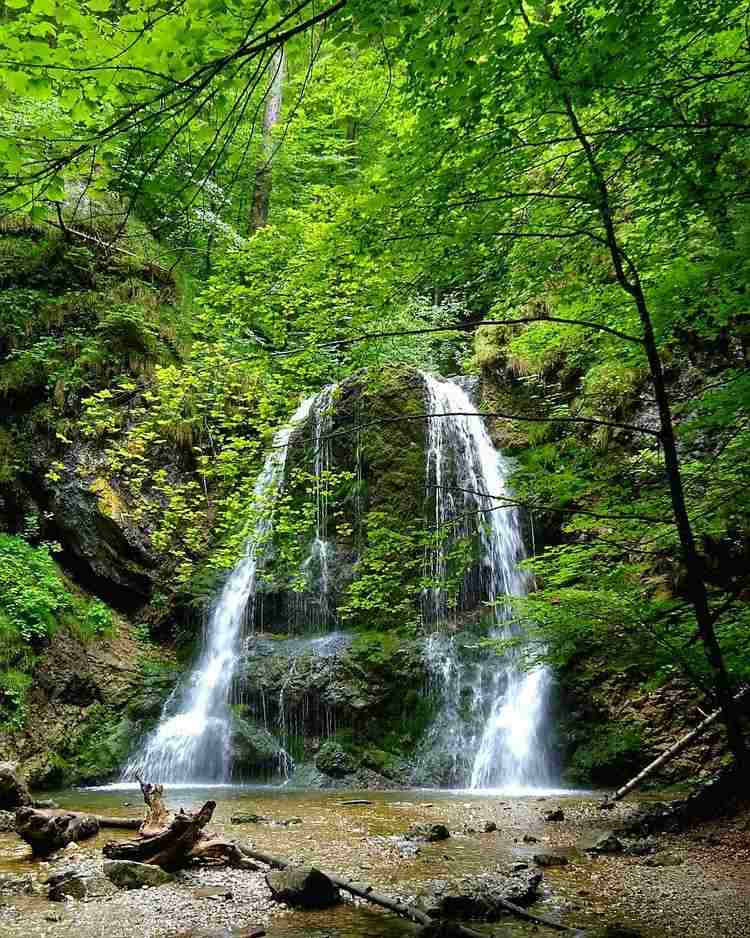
695,885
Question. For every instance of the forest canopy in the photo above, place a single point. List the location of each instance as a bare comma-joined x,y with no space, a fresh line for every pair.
552,195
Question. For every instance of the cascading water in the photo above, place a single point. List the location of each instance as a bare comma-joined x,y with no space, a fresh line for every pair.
491,724
192,742
492,718
314,607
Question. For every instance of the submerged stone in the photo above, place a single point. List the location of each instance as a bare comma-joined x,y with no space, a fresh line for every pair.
303,886
429,833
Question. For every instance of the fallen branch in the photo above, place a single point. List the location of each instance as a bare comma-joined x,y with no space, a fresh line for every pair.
667,756
125,823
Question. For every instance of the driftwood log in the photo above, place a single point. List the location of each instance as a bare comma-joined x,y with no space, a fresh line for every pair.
182,841
47,829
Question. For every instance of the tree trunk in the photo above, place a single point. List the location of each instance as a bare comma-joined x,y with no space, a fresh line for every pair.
264,172
630,282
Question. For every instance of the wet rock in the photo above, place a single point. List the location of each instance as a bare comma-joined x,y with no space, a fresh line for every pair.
479,897
74,885
7,821
13,790
489,827
664,859
428,833
254,749
528,839
248,819
555,815
127,874
641,848
440,930
550,859
607,843
303,886
46,831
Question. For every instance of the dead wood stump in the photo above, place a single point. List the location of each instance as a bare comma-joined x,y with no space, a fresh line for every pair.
47,830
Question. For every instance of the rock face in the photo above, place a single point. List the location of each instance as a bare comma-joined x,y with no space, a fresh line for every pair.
477,897
13,790
89,700
303,886
46,830
127,874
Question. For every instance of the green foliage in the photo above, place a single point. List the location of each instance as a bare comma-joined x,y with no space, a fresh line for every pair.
35,602
609,753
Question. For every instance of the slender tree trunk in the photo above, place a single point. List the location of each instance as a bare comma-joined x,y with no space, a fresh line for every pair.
630,282
271,115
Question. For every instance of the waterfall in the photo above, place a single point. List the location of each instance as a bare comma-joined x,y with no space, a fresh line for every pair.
192,742
491,722
315,608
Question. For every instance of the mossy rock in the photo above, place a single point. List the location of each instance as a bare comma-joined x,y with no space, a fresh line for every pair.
332,759
254,749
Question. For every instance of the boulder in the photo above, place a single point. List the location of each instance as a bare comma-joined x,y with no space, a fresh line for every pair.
607,843
46,830
75,885
550,859
13,790
478,897
254,749
127,874
428,833
303,886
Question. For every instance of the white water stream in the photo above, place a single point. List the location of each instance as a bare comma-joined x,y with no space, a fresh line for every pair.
192,742
492,718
